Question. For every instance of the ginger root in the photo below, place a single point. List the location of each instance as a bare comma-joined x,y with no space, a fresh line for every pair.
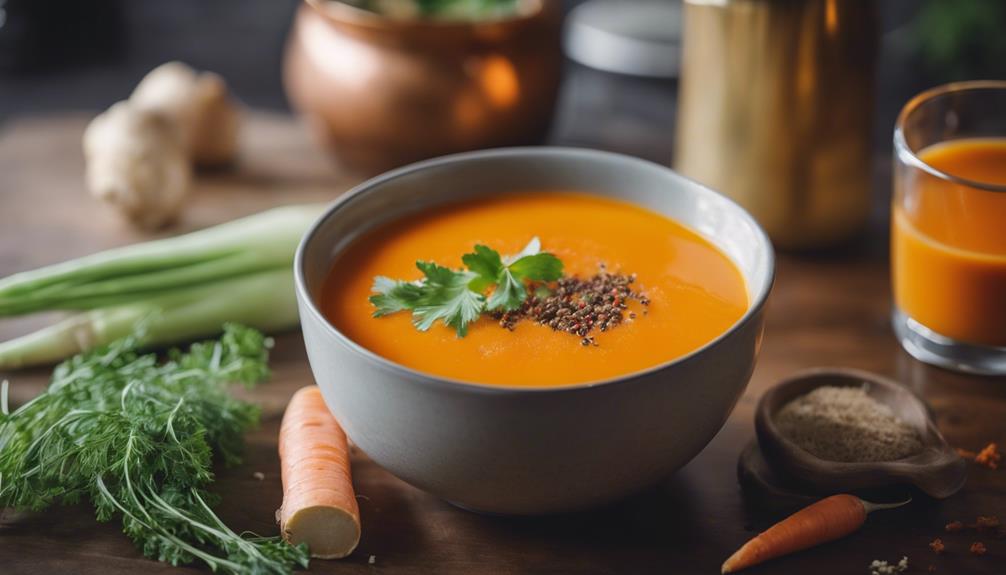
199,103
140,152
137,161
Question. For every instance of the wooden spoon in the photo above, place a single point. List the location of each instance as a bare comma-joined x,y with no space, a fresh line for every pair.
937,470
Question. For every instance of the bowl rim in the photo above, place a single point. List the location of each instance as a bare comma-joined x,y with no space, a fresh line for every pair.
308,301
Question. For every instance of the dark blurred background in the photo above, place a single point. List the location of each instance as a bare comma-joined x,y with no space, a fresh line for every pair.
59,55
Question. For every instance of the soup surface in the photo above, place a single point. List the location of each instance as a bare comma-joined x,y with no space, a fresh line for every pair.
696,293
949,244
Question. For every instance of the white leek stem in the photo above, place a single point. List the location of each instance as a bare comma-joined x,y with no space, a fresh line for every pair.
264,300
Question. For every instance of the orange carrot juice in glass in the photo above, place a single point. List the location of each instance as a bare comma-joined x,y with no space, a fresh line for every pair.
948,234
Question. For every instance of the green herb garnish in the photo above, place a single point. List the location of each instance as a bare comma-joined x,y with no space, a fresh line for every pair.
457,297
137,438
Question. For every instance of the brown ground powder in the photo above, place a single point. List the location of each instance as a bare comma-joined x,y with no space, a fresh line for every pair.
846,424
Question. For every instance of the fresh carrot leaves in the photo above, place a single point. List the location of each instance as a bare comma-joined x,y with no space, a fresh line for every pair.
138,437
456,297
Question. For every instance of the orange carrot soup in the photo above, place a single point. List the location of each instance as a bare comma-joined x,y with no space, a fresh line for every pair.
949,244
683,294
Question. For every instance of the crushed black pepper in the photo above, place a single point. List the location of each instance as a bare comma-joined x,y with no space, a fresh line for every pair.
579,306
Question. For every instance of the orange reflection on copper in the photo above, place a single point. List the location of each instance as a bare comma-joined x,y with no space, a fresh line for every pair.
469,112
499,81
831,17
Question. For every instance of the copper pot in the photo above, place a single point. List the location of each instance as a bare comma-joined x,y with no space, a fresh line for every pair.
383,92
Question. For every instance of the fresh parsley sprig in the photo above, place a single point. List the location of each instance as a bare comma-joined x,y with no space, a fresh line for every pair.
457,297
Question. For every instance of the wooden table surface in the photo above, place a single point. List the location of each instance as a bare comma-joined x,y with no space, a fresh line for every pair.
827,310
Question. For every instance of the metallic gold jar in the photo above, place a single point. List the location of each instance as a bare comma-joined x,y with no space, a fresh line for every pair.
382,92
775,110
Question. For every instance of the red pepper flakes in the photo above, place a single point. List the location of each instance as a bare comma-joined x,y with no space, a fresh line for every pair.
987,523
937,545
988,457
978,548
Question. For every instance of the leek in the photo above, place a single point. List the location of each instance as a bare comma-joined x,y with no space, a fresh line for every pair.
180,288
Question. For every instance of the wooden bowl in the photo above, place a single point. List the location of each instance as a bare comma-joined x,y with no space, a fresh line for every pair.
765,488
937,470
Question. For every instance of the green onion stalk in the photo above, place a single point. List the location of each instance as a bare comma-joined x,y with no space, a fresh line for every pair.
179,288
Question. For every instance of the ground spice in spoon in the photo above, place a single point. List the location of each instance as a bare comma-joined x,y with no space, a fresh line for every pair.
846,424
580,306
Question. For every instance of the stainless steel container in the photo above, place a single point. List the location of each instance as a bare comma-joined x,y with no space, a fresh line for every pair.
775,110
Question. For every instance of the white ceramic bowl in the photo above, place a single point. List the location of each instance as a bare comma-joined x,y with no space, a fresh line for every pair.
532,450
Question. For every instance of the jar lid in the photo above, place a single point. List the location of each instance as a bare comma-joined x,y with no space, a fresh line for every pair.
637,37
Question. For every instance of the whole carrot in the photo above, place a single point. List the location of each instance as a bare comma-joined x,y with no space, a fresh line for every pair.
829,519
319,505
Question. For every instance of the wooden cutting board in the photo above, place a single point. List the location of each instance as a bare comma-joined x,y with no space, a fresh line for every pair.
829,311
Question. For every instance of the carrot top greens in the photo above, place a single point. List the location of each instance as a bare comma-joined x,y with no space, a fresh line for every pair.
457,297
136,437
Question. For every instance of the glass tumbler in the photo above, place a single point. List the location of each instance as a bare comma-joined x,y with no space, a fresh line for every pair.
948,235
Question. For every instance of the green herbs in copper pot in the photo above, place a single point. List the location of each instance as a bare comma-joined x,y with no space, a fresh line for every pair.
137,438
441,9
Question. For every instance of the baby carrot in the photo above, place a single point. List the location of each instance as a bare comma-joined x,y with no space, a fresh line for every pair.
829,519
319,505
